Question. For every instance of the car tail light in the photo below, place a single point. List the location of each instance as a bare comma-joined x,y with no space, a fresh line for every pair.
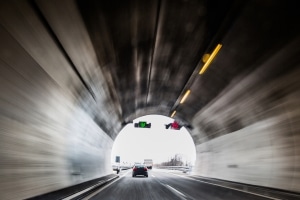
145,168
134,169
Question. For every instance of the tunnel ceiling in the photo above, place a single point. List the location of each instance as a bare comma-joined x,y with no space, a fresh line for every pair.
150,52
153,49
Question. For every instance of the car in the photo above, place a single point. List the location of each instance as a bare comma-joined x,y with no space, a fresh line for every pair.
139,170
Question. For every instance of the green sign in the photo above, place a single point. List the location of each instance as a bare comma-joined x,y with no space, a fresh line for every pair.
142,124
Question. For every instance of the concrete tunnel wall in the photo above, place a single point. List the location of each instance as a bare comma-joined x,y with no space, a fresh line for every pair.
48,139
255,126
52,129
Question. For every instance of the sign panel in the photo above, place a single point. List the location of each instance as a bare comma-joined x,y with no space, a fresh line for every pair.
142,124
175,125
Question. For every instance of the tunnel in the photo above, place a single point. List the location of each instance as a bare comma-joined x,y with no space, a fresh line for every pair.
74,73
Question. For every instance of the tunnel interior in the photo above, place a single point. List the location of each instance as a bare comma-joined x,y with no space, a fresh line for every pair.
74,73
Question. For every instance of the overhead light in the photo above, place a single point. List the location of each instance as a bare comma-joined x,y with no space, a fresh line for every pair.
205,57
210,59
185,96
174,112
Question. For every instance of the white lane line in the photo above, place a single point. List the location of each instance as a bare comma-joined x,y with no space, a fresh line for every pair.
102,188
228,187
175,190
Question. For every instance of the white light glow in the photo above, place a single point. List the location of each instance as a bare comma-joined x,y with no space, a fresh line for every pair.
157,143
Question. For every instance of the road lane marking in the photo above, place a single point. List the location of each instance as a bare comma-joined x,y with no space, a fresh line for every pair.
102,188
175,190
227,187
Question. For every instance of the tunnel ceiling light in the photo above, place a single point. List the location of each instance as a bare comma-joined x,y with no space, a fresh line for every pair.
185,96
210,59
174,112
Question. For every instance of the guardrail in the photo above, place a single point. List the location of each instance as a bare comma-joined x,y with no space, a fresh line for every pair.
125,167
179,168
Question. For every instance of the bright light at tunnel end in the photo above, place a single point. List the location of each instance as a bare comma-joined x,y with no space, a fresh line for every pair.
157,143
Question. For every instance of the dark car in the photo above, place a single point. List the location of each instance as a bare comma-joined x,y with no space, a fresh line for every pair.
139,170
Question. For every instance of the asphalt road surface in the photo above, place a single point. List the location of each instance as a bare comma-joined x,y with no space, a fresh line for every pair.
162,185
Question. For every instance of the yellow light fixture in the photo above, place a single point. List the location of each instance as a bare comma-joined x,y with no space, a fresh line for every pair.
205,57
174,112
185,96
210,59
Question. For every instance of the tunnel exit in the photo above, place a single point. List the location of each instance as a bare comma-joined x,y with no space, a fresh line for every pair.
134,143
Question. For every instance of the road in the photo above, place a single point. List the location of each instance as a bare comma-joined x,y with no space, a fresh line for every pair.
164,185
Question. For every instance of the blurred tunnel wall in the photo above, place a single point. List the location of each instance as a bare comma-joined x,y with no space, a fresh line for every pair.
250,133
50,121
48,138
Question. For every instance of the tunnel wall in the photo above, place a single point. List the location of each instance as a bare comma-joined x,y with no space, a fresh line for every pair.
250,133
48,140
50,135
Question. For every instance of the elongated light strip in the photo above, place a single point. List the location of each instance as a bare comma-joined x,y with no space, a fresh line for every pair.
174,112
211,57
185,96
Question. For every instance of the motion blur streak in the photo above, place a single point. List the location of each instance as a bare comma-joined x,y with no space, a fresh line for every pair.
73,72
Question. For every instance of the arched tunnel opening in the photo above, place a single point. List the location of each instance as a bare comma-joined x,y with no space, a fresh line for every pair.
135,144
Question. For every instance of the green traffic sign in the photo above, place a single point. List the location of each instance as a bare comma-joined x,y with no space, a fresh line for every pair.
142,124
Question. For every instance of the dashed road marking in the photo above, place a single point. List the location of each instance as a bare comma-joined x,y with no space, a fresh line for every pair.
102,188
175,190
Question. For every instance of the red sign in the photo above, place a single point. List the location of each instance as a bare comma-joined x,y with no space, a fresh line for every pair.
175,125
